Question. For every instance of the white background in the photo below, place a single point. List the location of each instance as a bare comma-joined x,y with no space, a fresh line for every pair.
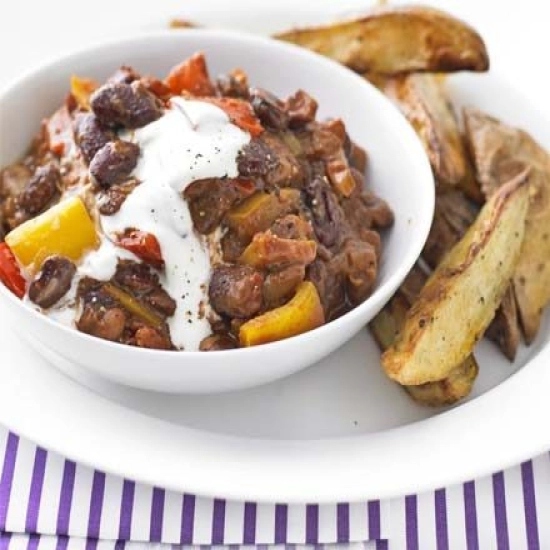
516,31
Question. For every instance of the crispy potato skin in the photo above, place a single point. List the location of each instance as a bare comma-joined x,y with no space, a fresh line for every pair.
460,299
423,100
504,329
448,391
498,151
387,324
397,40
453,215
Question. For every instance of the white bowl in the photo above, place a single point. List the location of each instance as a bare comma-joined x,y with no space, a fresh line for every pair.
399,172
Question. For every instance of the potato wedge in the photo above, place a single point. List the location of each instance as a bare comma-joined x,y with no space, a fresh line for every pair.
453,216
396,40
455,387
387,324
460,299
498,151
423,100
504,328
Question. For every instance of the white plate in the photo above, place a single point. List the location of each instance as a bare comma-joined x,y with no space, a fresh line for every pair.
339,431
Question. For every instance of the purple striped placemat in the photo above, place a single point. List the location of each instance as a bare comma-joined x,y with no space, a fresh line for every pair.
41,492
71,505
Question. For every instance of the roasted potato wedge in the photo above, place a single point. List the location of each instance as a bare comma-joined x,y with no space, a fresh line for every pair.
498,151
387,324
423,100
397,40
504,328
460,299
453,216
455,387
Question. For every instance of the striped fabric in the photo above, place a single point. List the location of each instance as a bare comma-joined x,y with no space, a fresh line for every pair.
40,492
36,542
71,506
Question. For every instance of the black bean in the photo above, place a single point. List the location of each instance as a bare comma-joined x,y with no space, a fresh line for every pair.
114,162
326,213
256,159
127,105
41,189
52,282
90,135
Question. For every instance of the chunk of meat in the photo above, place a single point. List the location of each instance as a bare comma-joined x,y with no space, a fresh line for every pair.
259,211
13,180
359,264
292,227
113,198
232,246
364,210
101,322
114,162
326,214
217,342
125,105
320,142
41,189
148,337
267,250
210,199
330,286
90,135
256,159
269,109
301,108
233,84
52,282
236,291
288,172
281,285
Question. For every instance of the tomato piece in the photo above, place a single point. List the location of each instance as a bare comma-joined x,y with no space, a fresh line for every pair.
10,274
144,245
240,113
191,76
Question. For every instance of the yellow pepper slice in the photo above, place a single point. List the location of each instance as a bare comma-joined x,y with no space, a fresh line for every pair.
82,89
303,313
134,306
65,229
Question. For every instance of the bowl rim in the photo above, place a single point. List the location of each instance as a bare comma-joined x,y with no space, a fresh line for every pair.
382,293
